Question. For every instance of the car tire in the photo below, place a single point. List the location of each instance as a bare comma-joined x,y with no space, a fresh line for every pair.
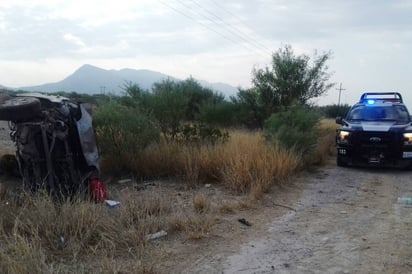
19,108
340,161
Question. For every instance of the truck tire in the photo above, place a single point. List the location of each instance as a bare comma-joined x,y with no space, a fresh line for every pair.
19,108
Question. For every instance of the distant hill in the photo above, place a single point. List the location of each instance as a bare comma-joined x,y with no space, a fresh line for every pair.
91,80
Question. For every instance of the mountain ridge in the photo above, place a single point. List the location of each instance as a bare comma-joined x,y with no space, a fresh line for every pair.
90,79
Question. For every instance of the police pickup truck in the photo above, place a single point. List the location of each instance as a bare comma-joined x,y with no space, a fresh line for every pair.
377,131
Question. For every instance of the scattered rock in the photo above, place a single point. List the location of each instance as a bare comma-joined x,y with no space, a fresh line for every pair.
156,236
243,221
62,243
208,185
124,181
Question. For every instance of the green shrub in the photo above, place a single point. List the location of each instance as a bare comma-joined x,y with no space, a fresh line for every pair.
203,134
295,128
333,111
123,131
225,114
168,104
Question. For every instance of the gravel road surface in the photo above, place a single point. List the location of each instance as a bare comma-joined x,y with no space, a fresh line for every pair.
348,220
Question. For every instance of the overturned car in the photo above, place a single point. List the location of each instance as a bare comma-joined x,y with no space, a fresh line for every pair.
55,143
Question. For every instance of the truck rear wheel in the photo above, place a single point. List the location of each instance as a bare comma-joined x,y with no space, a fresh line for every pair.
19,109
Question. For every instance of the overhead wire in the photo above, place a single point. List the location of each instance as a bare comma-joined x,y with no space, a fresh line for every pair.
200,14
233,29
240,21
194,19
247,45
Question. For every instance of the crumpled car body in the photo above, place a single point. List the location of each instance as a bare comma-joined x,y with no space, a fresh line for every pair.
56,146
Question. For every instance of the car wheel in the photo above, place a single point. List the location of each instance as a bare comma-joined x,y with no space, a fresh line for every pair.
19,108
340,161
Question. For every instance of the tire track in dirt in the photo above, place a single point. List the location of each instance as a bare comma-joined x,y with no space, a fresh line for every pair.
347,221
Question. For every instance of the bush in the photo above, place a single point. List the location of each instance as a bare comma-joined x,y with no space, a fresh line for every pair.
123,131
295,128
333,111
169,105
203,134
222,114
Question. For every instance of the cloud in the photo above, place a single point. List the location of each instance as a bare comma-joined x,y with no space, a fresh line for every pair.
212,40
74,39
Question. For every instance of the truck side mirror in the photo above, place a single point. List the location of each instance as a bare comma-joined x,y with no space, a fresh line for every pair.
339,120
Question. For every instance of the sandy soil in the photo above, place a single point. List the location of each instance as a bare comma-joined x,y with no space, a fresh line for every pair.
347,220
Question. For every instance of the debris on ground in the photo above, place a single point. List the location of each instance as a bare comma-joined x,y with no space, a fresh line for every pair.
124,181
144,186
156,236
112,203
244,222
98,190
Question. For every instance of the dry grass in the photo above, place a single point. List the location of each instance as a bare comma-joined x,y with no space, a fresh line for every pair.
195,226
201,203
40,236
325,146
227,208
327,126
245,163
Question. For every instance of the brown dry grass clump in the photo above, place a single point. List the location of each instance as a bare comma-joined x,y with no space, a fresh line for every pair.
245,163
39,236
325,146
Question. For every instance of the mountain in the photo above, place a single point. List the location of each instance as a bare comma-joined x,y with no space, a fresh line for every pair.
91,80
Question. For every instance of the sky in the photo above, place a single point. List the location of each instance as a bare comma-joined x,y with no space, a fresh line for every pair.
370,41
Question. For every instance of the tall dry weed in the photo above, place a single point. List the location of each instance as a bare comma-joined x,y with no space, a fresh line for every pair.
249,164
325,146
39,236
244,163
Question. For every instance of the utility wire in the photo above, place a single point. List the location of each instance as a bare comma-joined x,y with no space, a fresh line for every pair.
233,29
205,25
197,13
193,19
240,21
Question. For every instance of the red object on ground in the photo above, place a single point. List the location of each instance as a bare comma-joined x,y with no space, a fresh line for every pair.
98,190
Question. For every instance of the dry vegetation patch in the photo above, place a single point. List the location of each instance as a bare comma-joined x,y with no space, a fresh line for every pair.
245,163
38,235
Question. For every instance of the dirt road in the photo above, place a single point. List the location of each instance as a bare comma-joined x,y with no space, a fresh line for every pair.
347,220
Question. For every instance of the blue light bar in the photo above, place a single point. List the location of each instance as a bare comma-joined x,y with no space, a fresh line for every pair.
371,102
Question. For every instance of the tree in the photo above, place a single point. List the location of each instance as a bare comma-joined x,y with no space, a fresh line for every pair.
198,97
291,79
135,96
249,110
225,114
169,105
123,129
